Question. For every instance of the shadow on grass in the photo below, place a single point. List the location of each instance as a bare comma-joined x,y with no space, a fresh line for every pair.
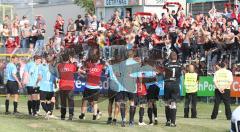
21,116
99,122
205,117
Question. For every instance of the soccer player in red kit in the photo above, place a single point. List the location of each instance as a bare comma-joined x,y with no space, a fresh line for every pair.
94,70
66,85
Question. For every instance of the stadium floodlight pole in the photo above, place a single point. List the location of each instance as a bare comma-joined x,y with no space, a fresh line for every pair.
186,8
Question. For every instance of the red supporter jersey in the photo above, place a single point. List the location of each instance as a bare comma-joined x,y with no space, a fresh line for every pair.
92,41
69,42
80,40
180,41
233,16
239,18
94,75
66,71
108,43
154,24
180,22
141,88
58,25
156,39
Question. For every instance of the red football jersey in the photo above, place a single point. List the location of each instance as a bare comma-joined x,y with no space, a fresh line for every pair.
66,71
94,75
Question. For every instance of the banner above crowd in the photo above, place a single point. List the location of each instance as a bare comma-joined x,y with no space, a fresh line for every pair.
200,1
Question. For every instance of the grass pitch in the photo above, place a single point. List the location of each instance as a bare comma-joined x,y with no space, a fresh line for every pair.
25,123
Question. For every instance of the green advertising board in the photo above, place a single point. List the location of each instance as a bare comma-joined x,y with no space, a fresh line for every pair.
206,87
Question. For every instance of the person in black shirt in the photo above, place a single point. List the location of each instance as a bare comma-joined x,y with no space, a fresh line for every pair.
59,25
142,41
129,16
79,24
175,16
148,26
172,74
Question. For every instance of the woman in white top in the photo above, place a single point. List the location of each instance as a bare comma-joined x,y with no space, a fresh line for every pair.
15,30
5,34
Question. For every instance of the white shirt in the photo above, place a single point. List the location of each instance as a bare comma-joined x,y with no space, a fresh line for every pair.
94,25
223,79
22,22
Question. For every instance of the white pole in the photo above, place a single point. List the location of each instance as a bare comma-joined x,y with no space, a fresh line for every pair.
32,19
236,3
191,8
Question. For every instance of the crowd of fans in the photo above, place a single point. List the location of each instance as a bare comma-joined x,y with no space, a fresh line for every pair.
203,39
19,33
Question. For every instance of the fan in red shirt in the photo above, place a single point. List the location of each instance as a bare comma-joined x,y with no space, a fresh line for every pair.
80,38
238,18
93,71
179,42
11,44
90,38
154,21
66,85
69,40
59,25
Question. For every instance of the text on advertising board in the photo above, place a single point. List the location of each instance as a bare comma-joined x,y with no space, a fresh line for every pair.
116,2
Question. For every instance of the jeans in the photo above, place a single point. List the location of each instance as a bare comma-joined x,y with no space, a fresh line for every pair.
1,78
185,52
4,39
86,49
201,49
106,52
25,43
142,52
39,46
117,51
67,96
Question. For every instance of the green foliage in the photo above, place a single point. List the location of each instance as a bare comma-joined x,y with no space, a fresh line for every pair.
87,4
